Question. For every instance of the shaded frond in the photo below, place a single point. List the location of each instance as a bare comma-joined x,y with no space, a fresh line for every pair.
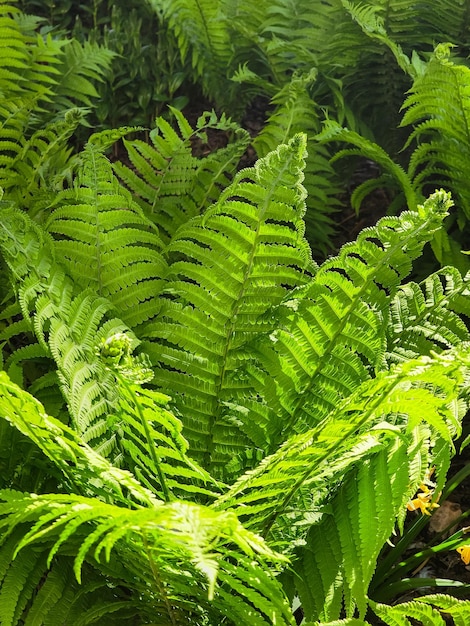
393,174
427,317
439,109
78,463
295,111
190,547
82,65
35,168
168,181
203,38
68,327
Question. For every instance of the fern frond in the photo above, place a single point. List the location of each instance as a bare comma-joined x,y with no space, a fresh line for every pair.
78,463
231,268
68,328
179,543
105,242
331,334
295,112
202,37
395,174
362,513
427,317
414,612
82,65
170,184
442,131
270,489
28,64
37,167
458,609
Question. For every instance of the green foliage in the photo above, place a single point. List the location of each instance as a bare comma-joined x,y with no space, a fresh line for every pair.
145,73
41,78
201,425
280,404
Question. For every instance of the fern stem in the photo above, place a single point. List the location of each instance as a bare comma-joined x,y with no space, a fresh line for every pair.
150,442
159,584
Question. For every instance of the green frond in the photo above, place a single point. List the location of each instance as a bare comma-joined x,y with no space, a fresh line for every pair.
394,174
72,456
150,436
28,64
230,268
362,513
295,111
458,609
83,64
36,167
441,131
204,40
331,335
427,317
68,328
190,547
373,67
106,243
271,490
418,613
168,181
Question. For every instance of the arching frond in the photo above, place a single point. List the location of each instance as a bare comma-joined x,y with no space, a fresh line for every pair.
190,547
427,317
271,489
331,334
439,109
68,327
428,610
78,463
295,112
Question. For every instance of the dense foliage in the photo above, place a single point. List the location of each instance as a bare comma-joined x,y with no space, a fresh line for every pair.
200,423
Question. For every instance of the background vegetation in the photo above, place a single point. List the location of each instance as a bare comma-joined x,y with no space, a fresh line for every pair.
207,417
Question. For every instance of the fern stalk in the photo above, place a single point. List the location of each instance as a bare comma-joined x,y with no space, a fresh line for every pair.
151,446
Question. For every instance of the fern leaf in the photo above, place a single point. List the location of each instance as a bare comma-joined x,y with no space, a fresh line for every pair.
65,448
294,112
177,540
69,329
398,615
331,335
82,64
202,36
170,184
232,266
426,317
271,489
106,243
395,174
458,609
442,132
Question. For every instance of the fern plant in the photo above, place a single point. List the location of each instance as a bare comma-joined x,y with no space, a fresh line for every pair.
244,456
